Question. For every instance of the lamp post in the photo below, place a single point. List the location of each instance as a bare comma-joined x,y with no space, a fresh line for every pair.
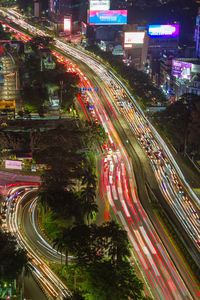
61,97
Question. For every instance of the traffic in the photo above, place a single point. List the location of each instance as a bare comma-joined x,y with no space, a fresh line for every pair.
117,176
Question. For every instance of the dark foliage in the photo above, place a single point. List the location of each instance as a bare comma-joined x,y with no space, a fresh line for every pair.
12,258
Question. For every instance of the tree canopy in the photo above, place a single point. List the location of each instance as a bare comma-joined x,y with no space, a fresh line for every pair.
68,189
12,258
138,81
25,5
39,83
184,116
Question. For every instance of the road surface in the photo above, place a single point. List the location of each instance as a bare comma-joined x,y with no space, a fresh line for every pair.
167,283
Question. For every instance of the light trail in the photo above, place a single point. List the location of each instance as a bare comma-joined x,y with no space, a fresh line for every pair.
53,286
145,129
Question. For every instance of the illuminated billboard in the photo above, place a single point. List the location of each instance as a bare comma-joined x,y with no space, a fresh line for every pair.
7,104
13,164
181,69
108,17
99,4
133,38
67,24
163,31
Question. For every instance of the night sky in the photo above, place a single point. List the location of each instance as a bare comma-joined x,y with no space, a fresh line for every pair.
166,13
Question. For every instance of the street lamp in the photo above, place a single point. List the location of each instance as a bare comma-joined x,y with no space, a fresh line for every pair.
61,96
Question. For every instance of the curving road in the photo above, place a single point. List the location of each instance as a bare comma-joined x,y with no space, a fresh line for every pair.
16,205
165,286
118,181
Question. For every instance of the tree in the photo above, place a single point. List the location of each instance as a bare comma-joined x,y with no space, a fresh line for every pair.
184,116
40,41
93,243
138,81
4,35
69,84
87,202
89,177
117,244
106,281
59,245
26,5
194,125
63,203
176,116
12,258
34,97
74,240
77,295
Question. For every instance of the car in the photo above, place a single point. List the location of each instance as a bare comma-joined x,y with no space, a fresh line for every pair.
105,146
4,208
3,216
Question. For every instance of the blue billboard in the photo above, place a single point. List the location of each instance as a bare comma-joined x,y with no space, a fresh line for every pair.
107,17
164,31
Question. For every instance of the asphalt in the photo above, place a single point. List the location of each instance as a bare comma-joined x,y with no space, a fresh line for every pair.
35,237
148,189
11,177
32,290
142,169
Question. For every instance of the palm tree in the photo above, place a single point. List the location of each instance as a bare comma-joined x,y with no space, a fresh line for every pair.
64,242
87,201
118,244
59,245
89,178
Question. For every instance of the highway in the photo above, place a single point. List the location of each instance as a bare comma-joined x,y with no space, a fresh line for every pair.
33,233
118,182
32,290
16,205
7,178
22,222
116,155
165,168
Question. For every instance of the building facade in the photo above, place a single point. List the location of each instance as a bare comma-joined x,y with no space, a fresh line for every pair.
74,8
158,49
121,4
197,35
186,77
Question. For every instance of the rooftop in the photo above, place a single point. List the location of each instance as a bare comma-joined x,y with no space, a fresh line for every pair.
195,61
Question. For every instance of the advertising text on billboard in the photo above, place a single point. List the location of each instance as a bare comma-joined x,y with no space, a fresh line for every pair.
13,164
181,69
162,31
67,24
99,4
108,17
134,37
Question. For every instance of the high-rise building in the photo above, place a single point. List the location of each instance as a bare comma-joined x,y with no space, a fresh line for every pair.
75,8
62,7
197,34
37,9
121,4
186,76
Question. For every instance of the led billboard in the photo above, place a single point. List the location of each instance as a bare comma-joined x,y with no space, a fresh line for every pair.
108,17
67,24
134,38
163,31
181,69
99,4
